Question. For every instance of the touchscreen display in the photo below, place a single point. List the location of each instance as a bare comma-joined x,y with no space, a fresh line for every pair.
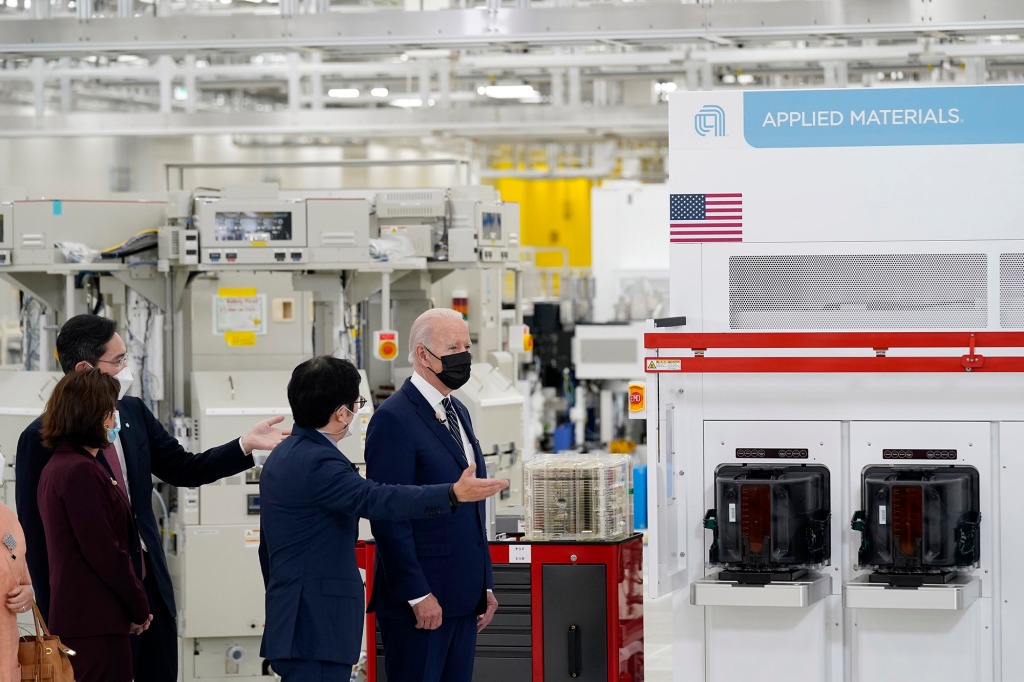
253,226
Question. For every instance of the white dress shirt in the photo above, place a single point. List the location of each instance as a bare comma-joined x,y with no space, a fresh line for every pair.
434,397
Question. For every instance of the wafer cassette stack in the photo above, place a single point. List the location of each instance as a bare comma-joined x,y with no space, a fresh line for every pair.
579,497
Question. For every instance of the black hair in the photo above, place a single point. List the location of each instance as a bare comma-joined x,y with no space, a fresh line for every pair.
84,337
318,387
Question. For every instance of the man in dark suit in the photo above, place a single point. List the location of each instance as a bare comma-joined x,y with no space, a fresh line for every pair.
432,589
144,450
311,498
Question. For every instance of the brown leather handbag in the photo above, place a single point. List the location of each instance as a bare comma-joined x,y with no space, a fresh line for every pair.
42,657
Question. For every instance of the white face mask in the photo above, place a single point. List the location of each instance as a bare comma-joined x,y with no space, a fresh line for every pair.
125,378
344,433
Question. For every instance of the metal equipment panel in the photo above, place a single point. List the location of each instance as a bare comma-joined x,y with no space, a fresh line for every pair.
952,12
38,225
941,646
221,603
575,630
674,418
748,642
608,351
1010,600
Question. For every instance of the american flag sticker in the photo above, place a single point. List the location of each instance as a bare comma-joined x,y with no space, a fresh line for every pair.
705,218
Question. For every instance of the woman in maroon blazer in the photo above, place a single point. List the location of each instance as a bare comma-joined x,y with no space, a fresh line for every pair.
97,598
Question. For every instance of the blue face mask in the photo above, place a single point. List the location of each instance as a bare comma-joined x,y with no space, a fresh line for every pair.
112,433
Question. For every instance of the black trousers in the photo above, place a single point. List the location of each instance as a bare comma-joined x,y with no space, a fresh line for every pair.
441,655
295,670
155,651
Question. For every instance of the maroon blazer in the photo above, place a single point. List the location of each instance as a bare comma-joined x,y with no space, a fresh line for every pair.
92,540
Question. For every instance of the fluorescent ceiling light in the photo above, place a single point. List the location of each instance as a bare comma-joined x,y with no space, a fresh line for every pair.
379,92
406,102
343,93
507,91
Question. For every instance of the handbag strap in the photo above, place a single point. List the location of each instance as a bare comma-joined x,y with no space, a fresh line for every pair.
40,622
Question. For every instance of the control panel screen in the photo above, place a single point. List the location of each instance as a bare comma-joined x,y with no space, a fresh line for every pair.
490,226
253,226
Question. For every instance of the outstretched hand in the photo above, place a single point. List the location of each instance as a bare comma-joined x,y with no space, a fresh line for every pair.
263,435
469,488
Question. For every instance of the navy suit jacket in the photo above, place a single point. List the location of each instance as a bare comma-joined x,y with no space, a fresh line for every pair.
447,557
148,451
89,526
311,498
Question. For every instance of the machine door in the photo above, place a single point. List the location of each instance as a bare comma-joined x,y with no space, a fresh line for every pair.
672,417
575,630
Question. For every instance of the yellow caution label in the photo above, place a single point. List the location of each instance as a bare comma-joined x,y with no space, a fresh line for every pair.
236,292
240,338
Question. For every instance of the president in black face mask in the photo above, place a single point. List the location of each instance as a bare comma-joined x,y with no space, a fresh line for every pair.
432,582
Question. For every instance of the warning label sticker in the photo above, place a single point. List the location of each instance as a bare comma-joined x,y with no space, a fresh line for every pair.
663,364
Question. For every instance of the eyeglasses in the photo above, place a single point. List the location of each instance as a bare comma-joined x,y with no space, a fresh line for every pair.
120,361
359,403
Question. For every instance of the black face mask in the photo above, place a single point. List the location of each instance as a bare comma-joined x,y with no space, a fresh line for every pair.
455,368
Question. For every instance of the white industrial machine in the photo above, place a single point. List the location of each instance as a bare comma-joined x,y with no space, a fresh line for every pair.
834,430
25,395
220,295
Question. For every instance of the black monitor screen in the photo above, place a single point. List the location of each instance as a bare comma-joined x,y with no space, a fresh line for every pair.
253,226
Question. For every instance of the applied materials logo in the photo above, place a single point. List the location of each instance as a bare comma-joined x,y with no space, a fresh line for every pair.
710,120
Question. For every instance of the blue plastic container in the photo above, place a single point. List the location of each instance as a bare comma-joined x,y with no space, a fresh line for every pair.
640,497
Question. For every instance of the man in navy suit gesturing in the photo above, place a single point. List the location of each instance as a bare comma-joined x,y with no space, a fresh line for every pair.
144,449
432,589
312,497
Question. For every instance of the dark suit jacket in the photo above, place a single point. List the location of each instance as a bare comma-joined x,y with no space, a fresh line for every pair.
311,498
448,556
148,451
89,526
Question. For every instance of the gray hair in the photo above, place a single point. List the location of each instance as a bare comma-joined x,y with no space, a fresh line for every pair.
422,331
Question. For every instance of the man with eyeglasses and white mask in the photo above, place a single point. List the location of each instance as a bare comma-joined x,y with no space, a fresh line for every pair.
142,449
311,499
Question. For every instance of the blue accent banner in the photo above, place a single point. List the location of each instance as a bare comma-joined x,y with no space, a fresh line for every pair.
884,117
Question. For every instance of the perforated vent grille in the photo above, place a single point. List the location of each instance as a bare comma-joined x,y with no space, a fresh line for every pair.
1011,290
891,291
